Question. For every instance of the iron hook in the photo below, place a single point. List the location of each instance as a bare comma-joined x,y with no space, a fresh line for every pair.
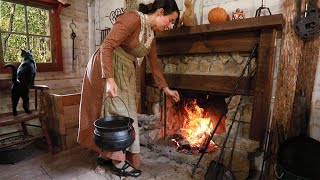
72,23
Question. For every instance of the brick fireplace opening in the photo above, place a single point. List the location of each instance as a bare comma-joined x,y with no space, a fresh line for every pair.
203,63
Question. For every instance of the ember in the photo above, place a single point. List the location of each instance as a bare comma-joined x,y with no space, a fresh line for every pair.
195,130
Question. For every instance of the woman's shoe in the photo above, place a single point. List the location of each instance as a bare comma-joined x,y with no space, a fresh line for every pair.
122,171
104,162
134,159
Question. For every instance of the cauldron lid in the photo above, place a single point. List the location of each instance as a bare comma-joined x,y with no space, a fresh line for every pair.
113,123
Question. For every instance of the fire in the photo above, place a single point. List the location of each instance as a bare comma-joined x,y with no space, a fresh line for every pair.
196,127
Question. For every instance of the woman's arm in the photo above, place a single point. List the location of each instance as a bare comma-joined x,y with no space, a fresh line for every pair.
125,25
172,93
157,73
155,66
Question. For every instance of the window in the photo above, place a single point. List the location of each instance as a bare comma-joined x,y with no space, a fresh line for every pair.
30,26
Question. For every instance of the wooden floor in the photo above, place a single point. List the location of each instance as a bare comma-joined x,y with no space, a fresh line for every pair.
80,164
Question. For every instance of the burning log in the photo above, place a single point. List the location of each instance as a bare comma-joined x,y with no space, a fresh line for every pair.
184,146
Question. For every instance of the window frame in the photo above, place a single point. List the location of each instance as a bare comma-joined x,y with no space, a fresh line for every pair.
54,8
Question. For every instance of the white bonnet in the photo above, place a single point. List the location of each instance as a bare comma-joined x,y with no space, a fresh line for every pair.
146,2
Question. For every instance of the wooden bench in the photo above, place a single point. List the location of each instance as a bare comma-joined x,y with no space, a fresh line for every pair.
7,119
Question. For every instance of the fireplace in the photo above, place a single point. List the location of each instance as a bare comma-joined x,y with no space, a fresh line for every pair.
206,60
204,106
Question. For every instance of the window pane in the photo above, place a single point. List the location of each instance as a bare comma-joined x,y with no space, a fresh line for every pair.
11,49
4,15
12,17
19,20
41,49
18,31
38,21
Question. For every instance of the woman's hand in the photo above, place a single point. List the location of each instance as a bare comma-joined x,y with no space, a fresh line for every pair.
172,93
112,88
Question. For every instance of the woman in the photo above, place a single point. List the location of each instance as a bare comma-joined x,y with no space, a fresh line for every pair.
130,39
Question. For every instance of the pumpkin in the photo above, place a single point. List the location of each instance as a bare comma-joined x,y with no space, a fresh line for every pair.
217,14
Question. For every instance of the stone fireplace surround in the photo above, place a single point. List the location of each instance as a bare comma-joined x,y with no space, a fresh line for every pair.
210,58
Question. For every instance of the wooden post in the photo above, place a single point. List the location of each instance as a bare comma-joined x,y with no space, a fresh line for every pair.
264,80
297,69
305,81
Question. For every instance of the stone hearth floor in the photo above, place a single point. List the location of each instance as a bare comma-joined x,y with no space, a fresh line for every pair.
80,164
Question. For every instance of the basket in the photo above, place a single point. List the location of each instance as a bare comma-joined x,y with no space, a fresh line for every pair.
17,152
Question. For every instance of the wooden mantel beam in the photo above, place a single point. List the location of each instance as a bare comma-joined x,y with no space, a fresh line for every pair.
231,36
248,24
221,84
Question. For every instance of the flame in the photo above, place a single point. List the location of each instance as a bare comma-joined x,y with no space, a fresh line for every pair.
196,127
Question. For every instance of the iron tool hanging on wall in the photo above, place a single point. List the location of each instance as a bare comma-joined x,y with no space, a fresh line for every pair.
73,35
307,24
262,7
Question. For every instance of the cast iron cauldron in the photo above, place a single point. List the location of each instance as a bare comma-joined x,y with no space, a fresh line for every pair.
114,133
298,158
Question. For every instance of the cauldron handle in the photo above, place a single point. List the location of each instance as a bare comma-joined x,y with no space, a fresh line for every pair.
130,126
275,171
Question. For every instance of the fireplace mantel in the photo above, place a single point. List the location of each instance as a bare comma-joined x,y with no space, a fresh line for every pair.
232,36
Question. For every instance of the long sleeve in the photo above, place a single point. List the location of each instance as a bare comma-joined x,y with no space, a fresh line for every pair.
155,66
124,27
